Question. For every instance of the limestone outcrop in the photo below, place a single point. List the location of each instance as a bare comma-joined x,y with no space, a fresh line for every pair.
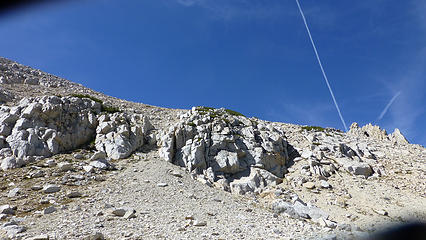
376,133
225,143
45,126
120,134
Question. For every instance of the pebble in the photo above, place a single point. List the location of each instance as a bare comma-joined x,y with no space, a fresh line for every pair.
176,174
324,184
199,223
162,185
40,237
74,194
49,210
65,166
309,185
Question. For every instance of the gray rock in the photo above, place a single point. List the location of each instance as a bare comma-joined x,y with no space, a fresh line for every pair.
65,166
298,209
7,209
14,192
257,179
96,236
199,223
102,164
119,212
51,188
49,210
120,134
11,162
74,194
40,237
14,230
98,155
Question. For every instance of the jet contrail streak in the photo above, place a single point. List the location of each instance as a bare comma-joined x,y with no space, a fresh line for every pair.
388,105
320,64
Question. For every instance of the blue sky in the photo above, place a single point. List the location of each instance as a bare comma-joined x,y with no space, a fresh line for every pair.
252,56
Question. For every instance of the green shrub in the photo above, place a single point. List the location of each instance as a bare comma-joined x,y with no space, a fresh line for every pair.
87,96
234,113
314,128
104,108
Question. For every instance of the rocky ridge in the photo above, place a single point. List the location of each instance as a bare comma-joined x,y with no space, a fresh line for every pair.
76,149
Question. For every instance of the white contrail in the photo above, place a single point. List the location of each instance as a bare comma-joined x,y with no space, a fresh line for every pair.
388,105
320,64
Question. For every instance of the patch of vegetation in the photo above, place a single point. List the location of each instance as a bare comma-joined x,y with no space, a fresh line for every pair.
234,113
104,108
109,109
204,109
87,96
191,124
314,128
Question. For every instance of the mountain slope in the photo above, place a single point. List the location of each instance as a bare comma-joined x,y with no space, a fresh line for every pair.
77,162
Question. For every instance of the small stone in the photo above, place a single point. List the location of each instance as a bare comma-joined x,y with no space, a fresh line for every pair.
49,210
189,217
119,212
162,185
78,156
309,185
381,212
51,188
7,209
96,236
50,163
13,230
40,237
88,168
176,174
130,213
98,155
199,223
65,166
14,192
74,194
37,174
324,184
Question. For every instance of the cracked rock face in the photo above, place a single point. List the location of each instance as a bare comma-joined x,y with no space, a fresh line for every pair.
225,143
120,134
376,133
45,126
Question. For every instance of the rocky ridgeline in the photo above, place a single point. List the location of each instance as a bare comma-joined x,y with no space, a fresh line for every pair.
15,73
44,126
244,155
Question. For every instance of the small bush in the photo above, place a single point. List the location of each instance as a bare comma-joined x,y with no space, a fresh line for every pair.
234,113
104,108
314,128
109,109
87,96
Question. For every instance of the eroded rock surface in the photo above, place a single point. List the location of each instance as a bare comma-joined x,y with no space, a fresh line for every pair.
226,143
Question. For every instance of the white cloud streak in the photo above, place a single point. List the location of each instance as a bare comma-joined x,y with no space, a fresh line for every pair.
385,110
322,69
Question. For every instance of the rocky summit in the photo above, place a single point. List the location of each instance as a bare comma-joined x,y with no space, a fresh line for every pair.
77,164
